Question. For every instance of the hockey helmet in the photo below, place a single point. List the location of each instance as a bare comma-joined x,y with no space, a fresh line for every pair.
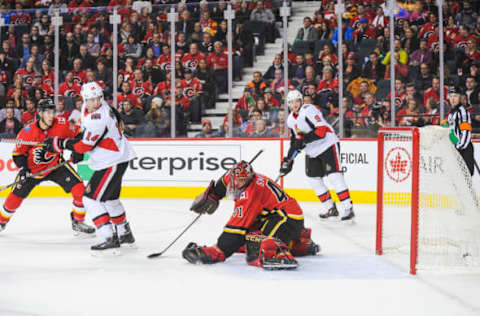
46,104
294,95
240,177
91,90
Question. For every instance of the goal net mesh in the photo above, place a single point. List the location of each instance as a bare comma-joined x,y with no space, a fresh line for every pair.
448,214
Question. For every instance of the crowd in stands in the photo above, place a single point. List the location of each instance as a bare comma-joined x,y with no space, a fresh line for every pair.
144,77
313,66
144,58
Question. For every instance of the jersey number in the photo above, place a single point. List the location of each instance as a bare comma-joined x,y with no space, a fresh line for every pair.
89,137
278,192
238,212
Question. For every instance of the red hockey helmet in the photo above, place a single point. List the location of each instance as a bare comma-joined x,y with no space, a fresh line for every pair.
240,177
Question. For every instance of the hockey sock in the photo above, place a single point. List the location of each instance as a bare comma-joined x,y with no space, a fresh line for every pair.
338,182
117,214
78,209
321,191
12,203
100,217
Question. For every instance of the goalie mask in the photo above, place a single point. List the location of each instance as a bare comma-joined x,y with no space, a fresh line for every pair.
239,177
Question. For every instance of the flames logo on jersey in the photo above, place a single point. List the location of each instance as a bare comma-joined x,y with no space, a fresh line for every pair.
462,44
28,80
70,93
78,80
189,92
41,156
139,91
166,66
192,64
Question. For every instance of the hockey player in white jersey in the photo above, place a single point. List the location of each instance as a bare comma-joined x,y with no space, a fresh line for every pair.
310,132
109,152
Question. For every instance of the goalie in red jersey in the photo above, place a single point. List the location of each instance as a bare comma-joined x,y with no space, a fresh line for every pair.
31,159
265,219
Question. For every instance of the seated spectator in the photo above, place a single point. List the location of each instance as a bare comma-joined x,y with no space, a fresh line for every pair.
280,127
374,69
434,92
132,48
327,52
410,115
61,112
10,126
132,117
206,46
310,79
245,103
401,70
400,94
76,115
142,88
410,42
308,32
432,113
351,69
421,55
261,130
79,74
93,48
248,127
30,113
271,101
364,31
278,84
261,14
237,120
277,64
191,59
16,112
223,131
347,32
267,113
472,90
127,94
206,129
45,87
218,62
402,54
328,81
298,70
27,73
208,25
424,80
243,40
185,24
206,77
221,35
128,70
104,76
364,109
411,93
258,85
192,89
157,120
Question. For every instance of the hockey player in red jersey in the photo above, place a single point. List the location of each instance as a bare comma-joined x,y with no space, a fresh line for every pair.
33,159
265,219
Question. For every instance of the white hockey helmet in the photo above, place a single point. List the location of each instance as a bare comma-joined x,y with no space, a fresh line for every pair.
294,95
91,90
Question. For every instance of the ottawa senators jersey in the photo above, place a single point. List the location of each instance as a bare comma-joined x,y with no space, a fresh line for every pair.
261,198
191,61
191,88
142,89
37,158
103,138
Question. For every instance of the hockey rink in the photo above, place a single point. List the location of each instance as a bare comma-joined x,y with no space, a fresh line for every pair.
46,271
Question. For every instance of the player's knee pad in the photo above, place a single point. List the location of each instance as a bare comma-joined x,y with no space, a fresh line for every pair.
116,210
304,245
77,193
267,252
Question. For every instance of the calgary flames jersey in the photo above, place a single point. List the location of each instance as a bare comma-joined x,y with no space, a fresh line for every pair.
261,198
37,158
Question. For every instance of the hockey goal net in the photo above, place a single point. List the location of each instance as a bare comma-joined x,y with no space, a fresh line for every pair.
427,208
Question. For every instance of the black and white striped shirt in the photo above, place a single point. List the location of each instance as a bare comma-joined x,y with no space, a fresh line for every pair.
460,121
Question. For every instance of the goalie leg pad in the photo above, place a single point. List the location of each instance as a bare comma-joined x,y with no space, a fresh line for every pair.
206,255
304,245
268,253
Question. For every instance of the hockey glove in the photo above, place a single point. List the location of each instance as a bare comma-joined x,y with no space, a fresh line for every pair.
298,144
55,144
318,133
23,174
286,166
77,157
207,202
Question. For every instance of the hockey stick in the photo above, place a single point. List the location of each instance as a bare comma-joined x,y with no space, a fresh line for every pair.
19,142
158,254
35,175
295,153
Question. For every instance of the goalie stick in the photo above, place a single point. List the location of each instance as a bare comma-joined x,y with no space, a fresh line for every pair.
158,254
36,174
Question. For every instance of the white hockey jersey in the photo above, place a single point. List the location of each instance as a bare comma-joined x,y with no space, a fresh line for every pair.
309,117
101,131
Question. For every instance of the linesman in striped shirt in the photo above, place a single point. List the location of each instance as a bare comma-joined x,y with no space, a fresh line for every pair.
460,123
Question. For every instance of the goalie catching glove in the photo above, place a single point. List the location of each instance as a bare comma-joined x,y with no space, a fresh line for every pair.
207,202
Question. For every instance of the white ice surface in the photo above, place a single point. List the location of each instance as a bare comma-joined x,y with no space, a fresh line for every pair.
46,271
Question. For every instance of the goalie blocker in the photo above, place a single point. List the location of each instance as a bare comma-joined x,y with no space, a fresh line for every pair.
265,219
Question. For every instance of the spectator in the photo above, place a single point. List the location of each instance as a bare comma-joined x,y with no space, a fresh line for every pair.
400,94
410,41
364,110
325,33
218,62
421,55
221,35
258,85
261,130
411,93
27,73
410,115
328,81
206,129
298,70
61,112
132,48
347,33
191,59
142,88
192,89
87,59
248,127
374,69
127,94
243,13
104,75
308,32
402,54
10,126
277,64
310,79
207,24
467,16
424,79
205,76
271,101
261,14
278,84
380,20
35,56
206,46
267,113
401,70
79,74
185,24
327,52
128,70
434,91
245,103
132,117
244,41
10,103
69,51
157,120
43,25
472,91
29,115
281,128
351,69
46,88
23,48
75,115
432,115
364,31
92,47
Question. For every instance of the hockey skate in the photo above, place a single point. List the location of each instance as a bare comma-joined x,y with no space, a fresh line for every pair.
81,229
332,213
2,227
348,215
127,238
110,246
